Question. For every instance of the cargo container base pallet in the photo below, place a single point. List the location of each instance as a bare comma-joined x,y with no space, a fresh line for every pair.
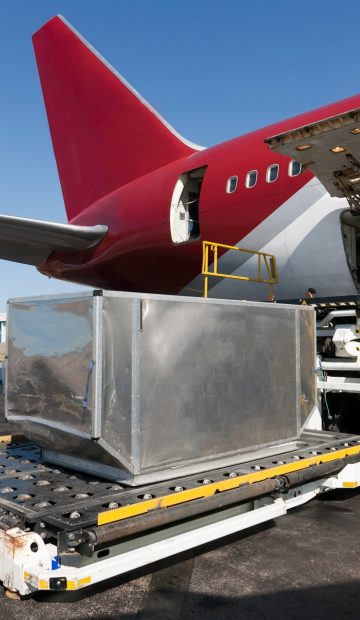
57,534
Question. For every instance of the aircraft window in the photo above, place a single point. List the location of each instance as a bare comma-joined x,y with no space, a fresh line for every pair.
231,184
294,168
251,178
272,173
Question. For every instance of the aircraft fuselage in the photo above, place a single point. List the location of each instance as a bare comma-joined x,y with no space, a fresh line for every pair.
139,252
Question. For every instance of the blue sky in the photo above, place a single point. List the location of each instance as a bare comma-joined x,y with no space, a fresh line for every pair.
213,68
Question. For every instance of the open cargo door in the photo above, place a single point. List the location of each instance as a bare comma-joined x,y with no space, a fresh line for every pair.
330,148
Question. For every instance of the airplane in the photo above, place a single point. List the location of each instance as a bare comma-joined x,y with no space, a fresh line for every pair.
140,199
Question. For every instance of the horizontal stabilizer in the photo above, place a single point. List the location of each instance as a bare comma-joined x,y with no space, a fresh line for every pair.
31,241
330,149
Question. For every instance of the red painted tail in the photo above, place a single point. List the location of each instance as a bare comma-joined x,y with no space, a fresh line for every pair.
104,134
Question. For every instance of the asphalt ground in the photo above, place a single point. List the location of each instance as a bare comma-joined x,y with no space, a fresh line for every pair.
303,565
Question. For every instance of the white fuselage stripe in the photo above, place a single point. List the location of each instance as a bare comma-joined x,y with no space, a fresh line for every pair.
305,235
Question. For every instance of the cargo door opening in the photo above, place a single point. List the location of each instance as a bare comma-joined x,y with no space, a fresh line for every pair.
184,210
350,225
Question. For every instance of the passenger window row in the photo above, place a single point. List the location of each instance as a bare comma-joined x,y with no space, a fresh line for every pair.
272,175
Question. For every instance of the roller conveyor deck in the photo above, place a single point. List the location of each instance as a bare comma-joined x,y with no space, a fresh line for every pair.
67,529
33,490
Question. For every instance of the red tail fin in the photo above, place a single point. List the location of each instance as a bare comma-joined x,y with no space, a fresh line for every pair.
104,134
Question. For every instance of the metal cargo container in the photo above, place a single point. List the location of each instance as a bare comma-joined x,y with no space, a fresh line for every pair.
147,387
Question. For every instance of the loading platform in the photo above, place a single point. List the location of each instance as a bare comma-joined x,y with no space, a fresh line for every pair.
61,530
159,424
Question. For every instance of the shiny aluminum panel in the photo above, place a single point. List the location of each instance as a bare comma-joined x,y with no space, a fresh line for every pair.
117,376
50,368
307,347
215,379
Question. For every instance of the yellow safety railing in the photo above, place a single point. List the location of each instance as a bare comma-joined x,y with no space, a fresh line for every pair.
265,262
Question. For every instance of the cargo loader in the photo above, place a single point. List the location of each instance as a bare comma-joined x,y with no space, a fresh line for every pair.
338,360
154,425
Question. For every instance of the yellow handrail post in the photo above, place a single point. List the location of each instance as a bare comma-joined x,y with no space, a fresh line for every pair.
205,268
273,265
206,286
265,260
215,250
204,264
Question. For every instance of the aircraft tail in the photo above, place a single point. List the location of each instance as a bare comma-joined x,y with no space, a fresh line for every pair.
104,134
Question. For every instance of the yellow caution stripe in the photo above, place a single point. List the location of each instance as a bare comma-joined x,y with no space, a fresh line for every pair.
44,584
76,584
6,438
350,485
36,582
11,438
207,490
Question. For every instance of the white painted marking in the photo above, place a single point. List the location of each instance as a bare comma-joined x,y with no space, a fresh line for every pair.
305,236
